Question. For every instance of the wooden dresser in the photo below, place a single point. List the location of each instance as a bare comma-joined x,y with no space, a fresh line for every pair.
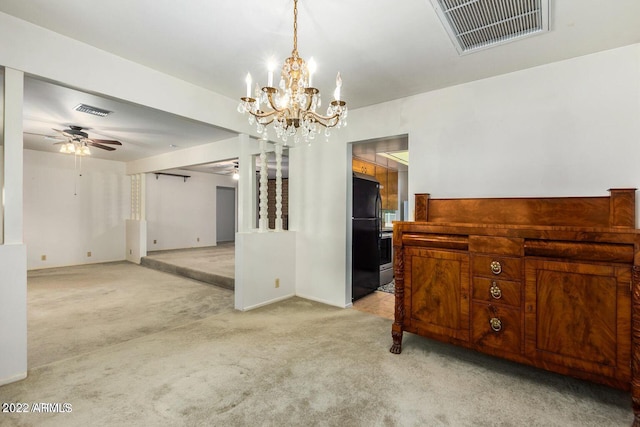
548,282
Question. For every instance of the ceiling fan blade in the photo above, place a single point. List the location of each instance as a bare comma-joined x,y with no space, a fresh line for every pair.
64,133
104,147
57,139
105,141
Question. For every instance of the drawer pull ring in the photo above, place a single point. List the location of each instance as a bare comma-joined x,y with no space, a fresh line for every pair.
496,292
495,266
496,324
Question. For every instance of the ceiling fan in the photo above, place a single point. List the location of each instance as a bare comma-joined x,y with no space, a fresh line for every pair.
78,138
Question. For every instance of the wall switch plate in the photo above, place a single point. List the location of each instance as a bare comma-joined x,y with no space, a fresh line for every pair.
43,257
277,283
89,254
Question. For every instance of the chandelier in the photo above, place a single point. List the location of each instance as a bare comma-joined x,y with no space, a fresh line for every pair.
292,106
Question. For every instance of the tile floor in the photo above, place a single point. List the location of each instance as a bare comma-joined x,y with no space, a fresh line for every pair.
378,303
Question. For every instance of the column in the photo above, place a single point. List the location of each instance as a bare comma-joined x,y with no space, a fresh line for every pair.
13,156
279,186
246,185
137,224
264,213
13,252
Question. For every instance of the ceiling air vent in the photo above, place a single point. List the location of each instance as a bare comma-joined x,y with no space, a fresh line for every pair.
84,108
474,25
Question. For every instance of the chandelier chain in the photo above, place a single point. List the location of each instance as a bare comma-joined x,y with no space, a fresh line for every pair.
294,53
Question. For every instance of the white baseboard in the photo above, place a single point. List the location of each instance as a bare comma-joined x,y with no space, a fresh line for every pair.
13,379
262,304
323,301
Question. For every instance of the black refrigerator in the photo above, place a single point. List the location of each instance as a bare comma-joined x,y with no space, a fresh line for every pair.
365,270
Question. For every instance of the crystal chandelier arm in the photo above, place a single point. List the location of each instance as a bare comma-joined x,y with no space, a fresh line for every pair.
264,115
310,92
270,91
326,121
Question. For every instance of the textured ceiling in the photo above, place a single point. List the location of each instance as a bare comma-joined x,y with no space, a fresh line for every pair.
384,50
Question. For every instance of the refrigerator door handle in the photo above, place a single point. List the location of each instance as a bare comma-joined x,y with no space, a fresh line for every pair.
379,211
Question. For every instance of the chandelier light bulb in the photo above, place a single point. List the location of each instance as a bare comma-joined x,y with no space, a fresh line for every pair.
271,65
248,81
312,69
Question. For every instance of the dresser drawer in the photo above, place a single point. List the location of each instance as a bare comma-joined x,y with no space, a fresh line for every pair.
496,266
496,291
496,326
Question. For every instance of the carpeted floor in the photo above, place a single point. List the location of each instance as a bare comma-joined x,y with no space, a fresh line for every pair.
175,353
210,264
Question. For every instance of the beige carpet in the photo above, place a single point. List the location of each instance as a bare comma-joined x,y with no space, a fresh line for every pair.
211,264
176,354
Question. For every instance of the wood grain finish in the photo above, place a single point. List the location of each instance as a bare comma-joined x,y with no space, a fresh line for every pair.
496,245
362,166
507,338
387,178
635,351
392,190
562,294
615,211
510,268
442,241
603,252
576,312
437,291
398,323
577,315
421,207
622,207
497,291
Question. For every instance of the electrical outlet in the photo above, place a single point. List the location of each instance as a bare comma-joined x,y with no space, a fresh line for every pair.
155,241
43,257
277,283
89,254
130,251
198,239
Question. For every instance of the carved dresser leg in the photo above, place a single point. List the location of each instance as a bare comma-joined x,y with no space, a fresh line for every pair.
635,345
396,329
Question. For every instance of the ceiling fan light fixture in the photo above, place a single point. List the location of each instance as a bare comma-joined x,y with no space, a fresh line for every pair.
83,151
67,148
84,108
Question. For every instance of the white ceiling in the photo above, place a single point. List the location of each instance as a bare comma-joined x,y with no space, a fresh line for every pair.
142,131
384,50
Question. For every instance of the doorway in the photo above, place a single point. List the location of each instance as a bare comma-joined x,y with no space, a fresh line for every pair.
225,214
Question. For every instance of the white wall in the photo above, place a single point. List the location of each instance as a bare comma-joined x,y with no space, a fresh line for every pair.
1,179
318,177
66,215
179,213
13,253
261,259
566,128
13,313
